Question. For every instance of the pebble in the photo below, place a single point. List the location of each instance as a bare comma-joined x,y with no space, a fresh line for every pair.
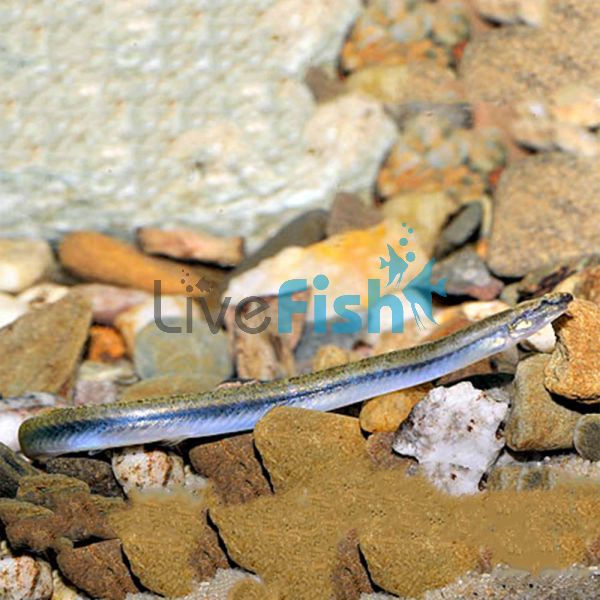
98,569
106,344
560,188
536,421
388,412
452,432
165,385
188,244
132,320
42,294
328,356
460,229
572,370
10,309
586,437
306,229
199,353
232,467
168,542
136,468
22,263
25,578
264,354
42,348
97,474
103,259
109,301
12,468
467,275
349,212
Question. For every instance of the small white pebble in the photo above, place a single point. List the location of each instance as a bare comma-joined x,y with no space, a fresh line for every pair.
136,468
25,578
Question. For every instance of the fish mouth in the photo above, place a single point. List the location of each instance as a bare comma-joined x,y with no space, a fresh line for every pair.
555,303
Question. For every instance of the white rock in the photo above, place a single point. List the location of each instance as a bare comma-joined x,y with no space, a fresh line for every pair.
108,301
543,340
62,591
136,468
351,135
452,433
10,309
141,77
44,293
25,578
22,263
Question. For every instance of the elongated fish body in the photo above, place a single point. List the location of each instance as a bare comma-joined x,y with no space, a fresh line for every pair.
231,409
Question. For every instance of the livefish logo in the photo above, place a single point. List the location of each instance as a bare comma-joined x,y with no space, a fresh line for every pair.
349,310
418,293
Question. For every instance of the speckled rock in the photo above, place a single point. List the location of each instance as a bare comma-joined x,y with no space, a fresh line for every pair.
138,469
96,473
452,432
586,437
560,188
573,367
42,348
201,352
536,421
98,569
168,542
467,275
388,412
25,578
22,263
232,467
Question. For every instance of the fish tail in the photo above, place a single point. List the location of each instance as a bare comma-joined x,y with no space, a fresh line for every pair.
384,263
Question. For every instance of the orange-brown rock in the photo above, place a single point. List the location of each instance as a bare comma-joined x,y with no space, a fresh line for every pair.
106,344
573,370
103,259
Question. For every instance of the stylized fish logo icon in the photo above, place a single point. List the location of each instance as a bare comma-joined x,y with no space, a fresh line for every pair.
395,264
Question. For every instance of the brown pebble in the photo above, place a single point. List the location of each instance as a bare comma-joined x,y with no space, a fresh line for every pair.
40,351
97,257
97,474
232,466
98,569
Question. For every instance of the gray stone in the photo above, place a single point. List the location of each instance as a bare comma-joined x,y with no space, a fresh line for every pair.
467,275
536,421
461,227
586,437
200,352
